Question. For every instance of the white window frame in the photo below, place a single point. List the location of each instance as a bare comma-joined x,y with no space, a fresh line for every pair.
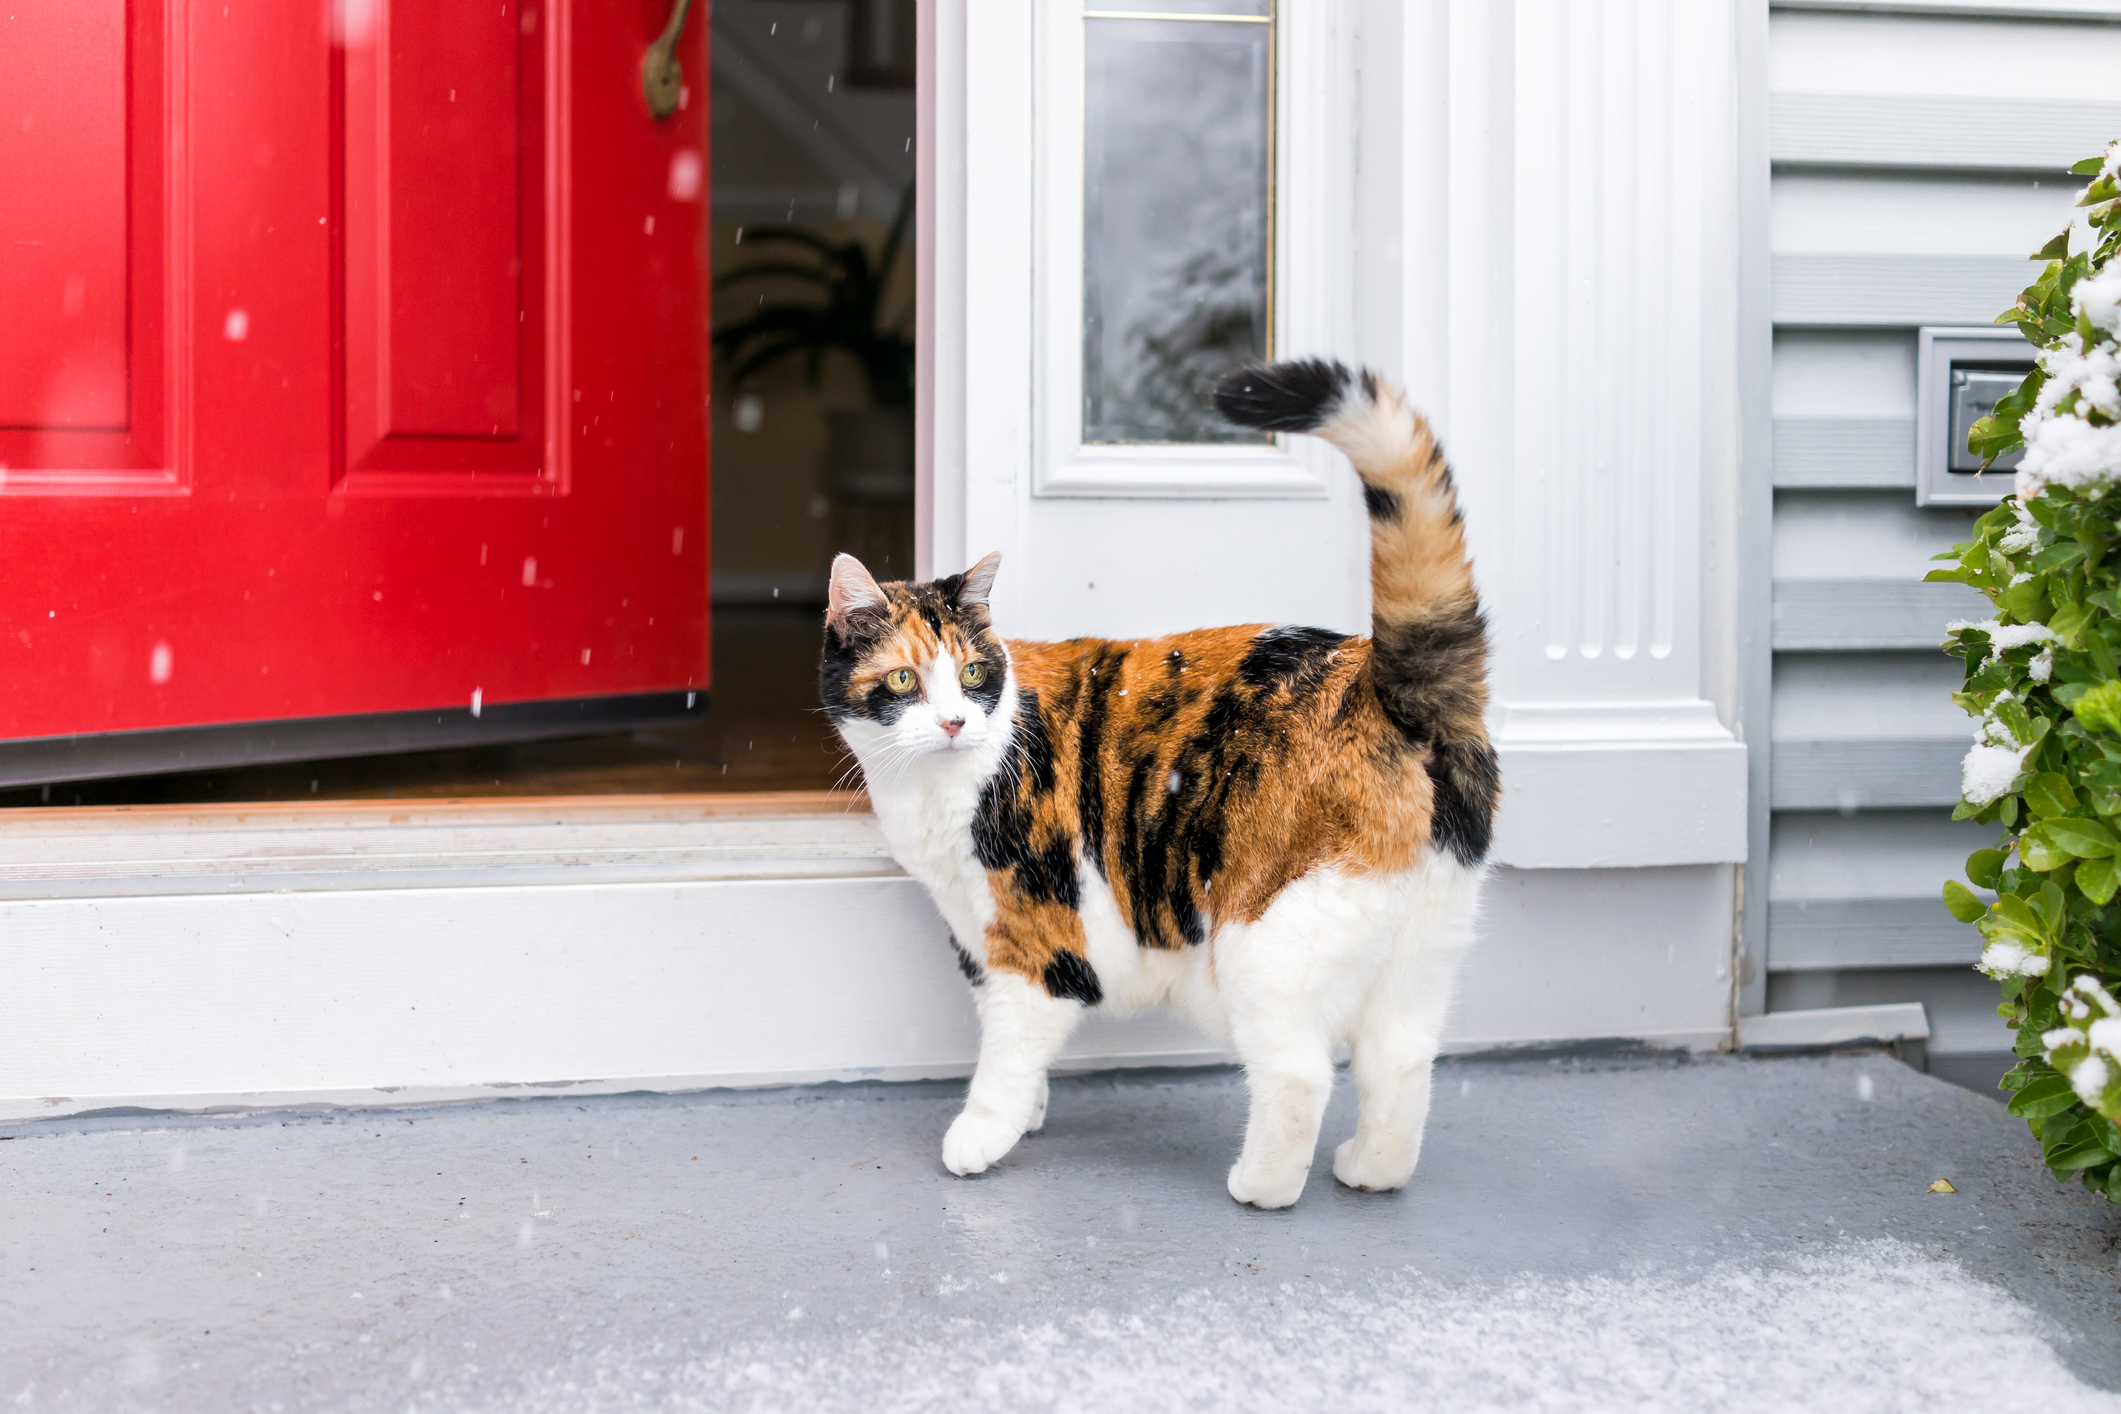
1312,184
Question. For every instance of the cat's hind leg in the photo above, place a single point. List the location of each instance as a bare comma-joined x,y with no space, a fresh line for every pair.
1022,1030
1289,983
1289,1072
1397,1033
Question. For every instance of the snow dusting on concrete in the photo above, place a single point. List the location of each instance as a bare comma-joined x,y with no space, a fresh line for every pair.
1874,1326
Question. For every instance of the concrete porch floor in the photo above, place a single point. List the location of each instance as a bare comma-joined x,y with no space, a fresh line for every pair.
1582,1234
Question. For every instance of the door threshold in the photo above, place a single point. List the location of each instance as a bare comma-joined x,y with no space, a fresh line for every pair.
512,809
282,847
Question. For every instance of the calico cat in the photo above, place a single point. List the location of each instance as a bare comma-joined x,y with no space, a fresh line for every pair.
1277,832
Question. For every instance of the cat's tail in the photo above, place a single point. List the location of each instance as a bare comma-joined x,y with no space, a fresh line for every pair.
1429,654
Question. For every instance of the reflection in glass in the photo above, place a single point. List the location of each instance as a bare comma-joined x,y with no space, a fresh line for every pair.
1176,232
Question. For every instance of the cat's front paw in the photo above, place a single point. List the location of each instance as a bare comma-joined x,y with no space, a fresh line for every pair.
1264,1187
1370,1171
976,1139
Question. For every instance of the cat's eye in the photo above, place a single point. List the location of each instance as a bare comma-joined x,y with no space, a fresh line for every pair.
972,674
899,680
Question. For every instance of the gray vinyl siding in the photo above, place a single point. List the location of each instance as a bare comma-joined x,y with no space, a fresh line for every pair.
1917,157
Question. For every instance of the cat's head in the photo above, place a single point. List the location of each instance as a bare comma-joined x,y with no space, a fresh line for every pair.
912,669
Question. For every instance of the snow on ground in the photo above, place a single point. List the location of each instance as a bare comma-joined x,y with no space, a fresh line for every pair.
1871,1326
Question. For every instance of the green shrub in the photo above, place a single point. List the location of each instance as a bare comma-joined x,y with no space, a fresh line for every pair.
2043,678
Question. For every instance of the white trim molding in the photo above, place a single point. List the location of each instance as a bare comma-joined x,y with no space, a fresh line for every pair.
1552,242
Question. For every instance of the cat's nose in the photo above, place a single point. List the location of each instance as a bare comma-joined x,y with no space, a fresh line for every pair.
951,725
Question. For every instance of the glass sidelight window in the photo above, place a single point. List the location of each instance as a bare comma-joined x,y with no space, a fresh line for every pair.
1178,201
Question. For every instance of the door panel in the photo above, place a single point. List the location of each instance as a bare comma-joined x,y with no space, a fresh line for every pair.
379,507
442,123
82,131
63,366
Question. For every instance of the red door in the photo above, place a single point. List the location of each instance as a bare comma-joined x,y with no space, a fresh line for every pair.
354,368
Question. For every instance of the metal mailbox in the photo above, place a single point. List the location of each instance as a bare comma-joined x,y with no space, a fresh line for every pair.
1959,374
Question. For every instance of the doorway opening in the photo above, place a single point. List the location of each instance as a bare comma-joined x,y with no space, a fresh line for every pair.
812,189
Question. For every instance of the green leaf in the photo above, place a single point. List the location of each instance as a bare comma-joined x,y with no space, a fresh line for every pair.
2049,794
2052,905
2024,729
1964,904
2088,1153
2102,653
2056,557
2099,707
2039,850
1984,867
2059,246
2063,1131
2087,839
2098,879
2089,167
2010,914
2027,602
2049,1095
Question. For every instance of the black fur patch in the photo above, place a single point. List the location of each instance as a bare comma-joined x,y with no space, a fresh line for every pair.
1298,396
1069,976
1467,780
1383,504
1295,658
1427,673
1001,826
843,653
968,964
989,692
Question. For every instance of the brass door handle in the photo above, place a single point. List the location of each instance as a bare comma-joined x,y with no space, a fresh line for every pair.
661,78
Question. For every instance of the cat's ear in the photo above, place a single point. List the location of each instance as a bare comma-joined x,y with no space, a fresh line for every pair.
979,582
852,594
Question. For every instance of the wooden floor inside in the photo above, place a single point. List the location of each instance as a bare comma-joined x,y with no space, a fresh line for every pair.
763,732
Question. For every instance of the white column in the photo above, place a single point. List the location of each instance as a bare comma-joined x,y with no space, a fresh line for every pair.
1581,369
